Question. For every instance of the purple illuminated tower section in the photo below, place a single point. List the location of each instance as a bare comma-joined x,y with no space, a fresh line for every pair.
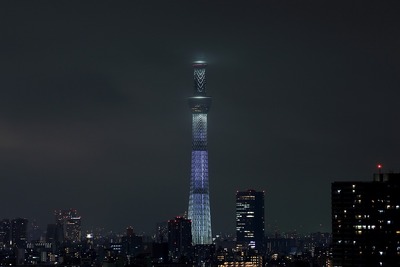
199,199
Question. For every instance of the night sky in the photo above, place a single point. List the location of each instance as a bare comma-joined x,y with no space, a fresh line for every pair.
94,113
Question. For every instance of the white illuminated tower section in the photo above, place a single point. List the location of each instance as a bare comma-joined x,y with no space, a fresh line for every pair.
199,199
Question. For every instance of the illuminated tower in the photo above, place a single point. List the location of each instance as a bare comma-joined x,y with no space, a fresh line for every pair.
199,200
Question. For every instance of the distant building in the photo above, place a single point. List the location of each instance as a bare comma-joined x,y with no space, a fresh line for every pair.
73,231
162,232
5,232
34,231
281,245
132,244
68,226
51,231
250,219
19,227
366,222
253,261
180,239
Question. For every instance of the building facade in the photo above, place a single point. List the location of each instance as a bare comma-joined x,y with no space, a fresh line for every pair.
68,226
73,230
199,199
366,222
250,224
5,232
19,228
180,239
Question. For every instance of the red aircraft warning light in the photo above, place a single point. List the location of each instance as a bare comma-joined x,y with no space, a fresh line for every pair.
379,168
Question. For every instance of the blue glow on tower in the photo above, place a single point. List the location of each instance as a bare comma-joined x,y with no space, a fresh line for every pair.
199,199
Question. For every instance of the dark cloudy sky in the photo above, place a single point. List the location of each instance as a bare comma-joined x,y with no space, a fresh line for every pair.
94,114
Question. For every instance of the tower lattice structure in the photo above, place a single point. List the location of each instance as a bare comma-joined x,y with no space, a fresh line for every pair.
199,199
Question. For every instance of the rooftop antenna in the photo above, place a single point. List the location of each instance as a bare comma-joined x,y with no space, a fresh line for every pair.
380,175
379,168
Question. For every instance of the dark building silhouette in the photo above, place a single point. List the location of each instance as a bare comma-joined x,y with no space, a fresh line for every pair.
131,244
5,232
366,222
159,252
250,219
51,231
19,227
162,232
180,239
284,246
204,255
34,231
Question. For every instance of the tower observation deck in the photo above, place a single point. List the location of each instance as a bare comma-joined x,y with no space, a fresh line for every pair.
199,199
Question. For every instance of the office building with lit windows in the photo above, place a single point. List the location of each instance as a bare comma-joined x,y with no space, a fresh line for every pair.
366,222
250,223
68,225
73,231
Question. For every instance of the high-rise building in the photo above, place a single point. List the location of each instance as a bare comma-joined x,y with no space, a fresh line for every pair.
199,199
179,239
68,225
5,232
19,227
73,231
162,232
132,244
250,223
366,222
34,231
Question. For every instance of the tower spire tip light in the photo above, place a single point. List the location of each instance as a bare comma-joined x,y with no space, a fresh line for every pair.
199,62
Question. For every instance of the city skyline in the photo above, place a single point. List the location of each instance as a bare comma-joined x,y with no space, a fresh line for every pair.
94,116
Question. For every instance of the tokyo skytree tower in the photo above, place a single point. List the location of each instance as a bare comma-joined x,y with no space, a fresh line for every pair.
199,199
